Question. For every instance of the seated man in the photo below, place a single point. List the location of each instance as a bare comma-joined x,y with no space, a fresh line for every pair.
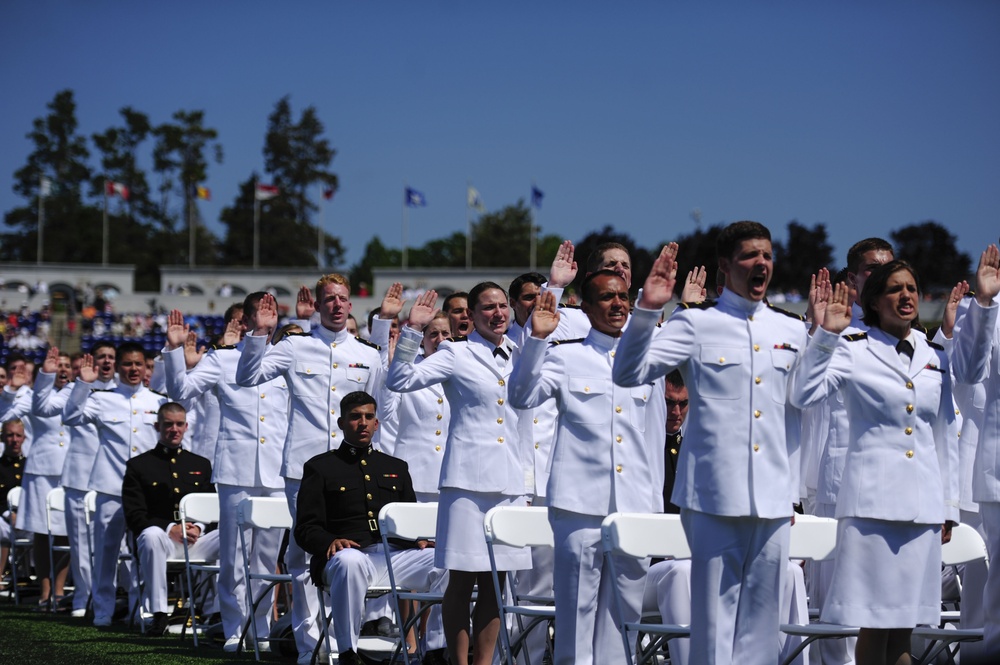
11,469
154,484
341,495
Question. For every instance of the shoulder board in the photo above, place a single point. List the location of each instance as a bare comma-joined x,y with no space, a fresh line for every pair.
298,334
856,337
969,294
221,347
935,345
568,306
566,341
156,392
924,330
102,390
797,317
460,338
704,304
367,343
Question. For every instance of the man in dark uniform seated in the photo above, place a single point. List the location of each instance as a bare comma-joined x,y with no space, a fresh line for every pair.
154,484
340,498
11,469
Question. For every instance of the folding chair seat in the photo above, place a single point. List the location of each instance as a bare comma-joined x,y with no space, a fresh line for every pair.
641,536
518,526
260,513
202,508
55,501
20,547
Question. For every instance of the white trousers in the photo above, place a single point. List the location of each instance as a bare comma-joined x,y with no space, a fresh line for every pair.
79,546
738,566
350,572
586,631
109,532
990,513
262,550
154,548
305,603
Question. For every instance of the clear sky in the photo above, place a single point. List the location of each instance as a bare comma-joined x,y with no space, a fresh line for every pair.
865,116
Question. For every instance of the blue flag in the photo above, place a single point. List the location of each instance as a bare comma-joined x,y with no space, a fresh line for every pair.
414,199
536,197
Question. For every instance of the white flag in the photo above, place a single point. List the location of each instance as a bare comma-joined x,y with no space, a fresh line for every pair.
45,187
475,201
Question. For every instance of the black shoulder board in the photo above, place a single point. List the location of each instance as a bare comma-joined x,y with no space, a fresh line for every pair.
970,294
298,334
156,392
568,306
102,390
797,317
460,338
935,345
566,341
856,337
223,347
367,343
704,304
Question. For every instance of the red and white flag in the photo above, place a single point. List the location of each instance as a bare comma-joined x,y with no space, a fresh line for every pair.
112,188
265,192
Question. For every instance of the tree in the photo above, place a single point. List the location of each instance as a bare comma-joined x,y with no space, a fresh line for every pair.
930,248
60,155
503,239
698,249
376,255
806,251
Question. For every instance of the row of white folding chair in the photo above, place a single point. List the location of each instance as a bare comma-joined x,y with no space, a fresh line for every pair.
55,502
17,545
203,508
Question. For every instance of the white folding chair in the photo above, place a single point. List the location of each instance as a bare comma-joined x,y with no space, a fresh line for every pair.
641,536
201,507
405,521
260,513
966,546
517,526
55,501
17,544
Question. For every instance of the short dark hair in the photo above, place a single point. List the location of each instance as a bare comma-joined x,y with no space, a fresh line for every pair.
596,257
353,400
535,278
454,296
840,277
231,312
875,288
102,344
169,407
13,358
859,248
250,303
731,236
674,379
587,288
128,347
481,288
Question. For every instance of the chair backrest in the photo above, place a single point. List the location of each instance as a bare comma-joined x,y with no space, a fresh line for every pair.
965,546
519,526
14,498
90,505
643,535
262,512
56,499
200,507
813,538
408,521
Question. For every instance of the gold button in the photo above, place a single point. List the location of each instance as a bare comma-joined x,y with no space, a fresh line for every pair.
535,421
333,344
756,347
371,514
333,388
262,395
174,474
364,462
134,396
441,400
612,354
500,382
369,497
673,451
262,439
134,429
262,419
499,421
135,448
343,489
437,432
334,435
173,460
909,384
757,380
499,439
756,448
957,412
750,318
61,444
756,414
499,401
721,359
586,389
367,477
309,371
618,438
908,430
333,412
335,365
134,412
438,448
537,446
439,416
618,409
909,453
618,468
177,490
909,408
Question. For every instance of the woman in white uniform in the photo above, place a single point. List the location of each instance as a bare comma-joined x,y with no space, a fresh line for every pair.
899,496
482,466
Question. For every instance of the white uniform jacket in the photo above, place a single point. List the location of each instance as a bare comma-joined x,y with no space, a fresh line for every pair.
253,423
976,357
902,459
319,368
51,436
602,460
17,404
125,417
483,450
83,438
739,456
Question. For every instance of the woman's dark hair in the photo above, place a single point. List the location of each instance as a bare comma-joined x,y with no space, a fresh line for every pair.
875,287
479,289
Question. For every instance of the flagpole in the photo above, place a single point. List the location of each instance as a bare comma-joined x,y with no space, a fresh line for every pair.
256,227
533,252
319,230
41,216
104,240
406,222
468,227
190,211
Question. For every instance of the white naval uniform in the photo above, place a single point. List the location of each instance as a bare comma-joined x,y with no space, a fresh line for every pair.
483,457
737,474
17,404
251,440
602,462
320,368
976,358
901,472
125,417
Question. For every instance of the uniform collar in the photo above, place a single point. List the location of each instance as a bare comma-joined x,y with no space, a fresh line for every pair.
741,304
128,390
602,340
506,342
331,337
166,451
351,453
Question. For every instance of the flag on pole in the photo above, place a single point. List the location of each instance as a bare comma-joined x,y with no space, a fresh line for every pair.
204,193
475,201
536,197
112,188
265,192
45,187
328,193
414,199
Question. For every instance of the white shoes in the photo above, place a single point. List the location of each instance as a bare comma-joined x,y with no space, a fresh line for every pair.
78,614
232,645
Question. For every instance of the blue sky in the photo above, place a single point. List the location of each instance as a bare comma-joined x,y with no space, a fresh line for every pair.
865,116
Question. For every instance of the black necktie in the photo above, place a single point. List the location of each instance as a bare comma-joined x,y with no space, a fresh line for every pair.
905,348
499,351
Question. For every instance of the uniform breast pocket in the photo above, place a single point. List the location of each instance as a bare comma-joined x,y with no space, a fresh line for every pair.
236,394
589,399
309,380
358,375
639,398
782,361
721,372
928,388
149,419
391,486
